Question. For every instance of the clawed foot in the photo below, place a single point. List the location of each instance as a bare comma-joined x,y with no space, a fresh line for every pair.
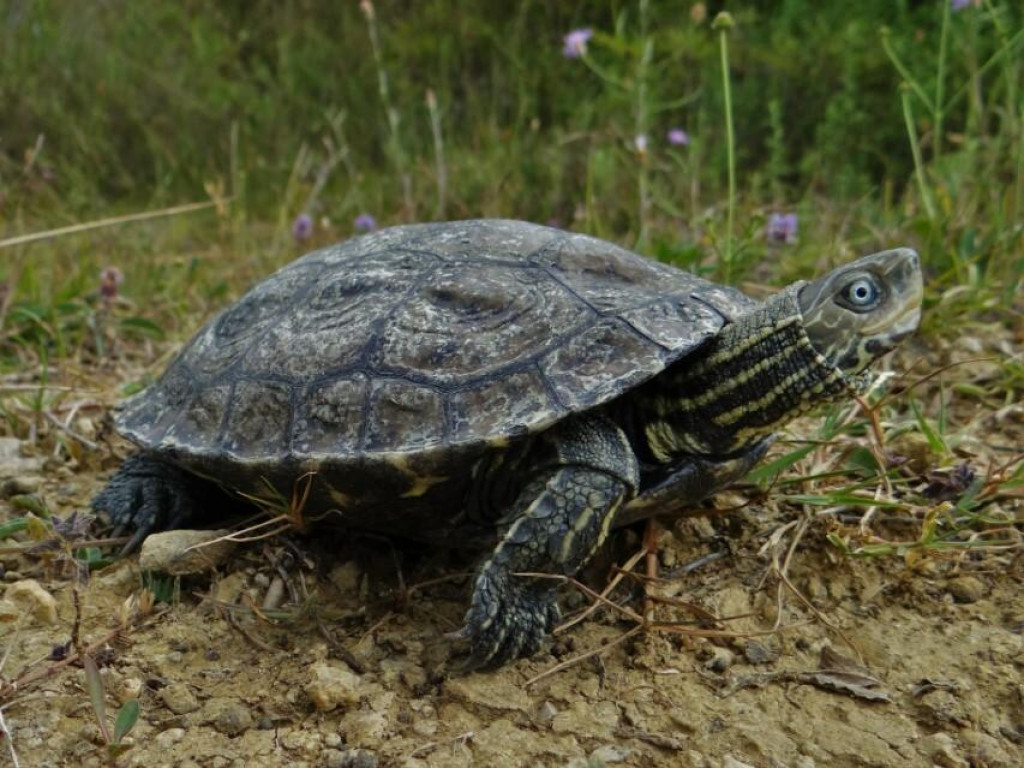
143,497
509,616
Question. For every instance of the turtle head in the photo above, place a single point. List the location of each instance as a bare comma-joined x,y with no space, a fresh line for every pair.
858,312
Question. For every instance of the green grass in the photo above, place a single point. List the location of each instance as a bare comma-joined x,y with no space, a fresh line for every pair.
880,123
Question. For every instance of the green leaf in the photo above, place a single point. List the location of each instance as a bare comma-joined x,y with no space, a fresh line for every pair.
764,474
142,327
841,498
127,716
862,458
935,441
11,527
30,503
97,695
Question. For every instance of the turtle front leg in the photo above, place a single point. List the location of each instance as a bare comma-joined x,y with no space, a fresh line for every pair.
557,522
147,495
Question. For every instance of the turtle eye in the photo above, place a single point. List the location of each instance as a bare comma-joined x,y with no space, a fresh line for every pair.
861,294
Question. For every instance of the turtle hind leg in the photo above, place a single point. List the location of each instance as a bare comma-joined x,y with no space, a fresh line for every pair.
147,495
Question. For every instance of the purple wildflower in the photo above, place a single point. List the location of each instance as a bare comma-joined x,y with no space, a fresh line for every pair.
575,42
677,137
782,228
365,223
958,5
302,227
110,279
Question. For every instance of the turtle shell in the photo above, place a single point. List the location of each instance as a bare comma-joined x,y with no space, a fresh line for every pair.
424,338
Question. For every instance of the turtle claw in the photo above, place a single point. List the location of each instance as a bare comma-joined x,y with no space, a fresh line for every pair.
508,618
145,496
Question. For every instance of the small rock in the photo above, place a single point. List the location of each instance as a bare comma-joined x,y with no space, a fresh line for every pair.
546,713
169,738
230,588
365,728
8,611
12,463
127,688
983,750
121,578
22,484
721,660
228,716
333,684
275,595
29,596
610,753
966,589
307,743
490,691
414,676
183,552
359,758
758,653
732,762
346,578
941,749
179,698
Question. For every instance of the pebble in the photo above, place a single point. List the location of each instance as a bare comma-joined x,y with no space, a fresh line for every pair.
179,553
332,740
228,716
721,660
966,589
365,728
127,688
941,749
732,762
332,685
20,485
228,589
546,713
170,737
985,750
346,578
29,596
8,611
179,698
357,758
275,595
308,743
12,463
610,753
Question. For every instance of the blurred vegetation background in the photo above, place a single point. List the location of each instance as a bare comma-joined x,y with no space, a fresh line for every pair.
874,123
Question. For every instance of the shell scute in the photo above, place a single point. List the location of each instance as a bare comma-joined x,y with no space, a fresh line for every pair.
423,339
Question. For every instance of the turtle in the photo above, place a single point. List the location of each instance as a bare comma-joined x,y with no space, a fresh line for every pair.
496,384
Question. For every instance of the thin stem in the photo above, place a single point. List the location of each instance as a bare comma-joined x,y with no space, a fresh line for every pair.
640,126
915,148
1019,201
905,73
730,140
937,113
394,138
442,169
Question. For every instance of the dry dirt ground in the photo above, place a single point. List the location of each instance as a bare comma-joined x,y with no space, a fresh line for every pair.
328,651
